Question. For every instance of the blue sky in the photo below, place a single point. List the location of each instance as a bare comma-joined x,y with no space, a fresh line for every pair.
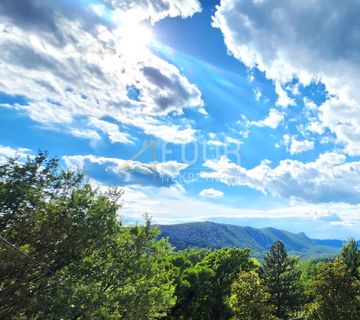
237,111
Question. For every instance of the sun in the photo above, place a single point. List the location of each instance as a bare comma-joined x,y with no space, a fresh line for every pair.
136,38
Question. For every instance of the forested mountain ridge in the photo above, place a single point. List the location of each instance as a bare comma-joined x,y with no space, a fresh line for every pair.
215,235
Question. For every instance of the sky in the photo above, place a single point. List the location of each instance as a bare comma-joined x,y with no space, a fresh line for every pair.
235,111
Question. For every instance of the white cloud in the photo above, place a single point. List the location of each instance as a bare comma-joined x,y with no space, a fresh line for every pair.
327,179
111,129
10,152
212,135
203,111
258,94
297,146
342,116
307,41
244,133
173,133
85,134
283,97
231,140
170,168
211,193
310,106
273,120
154,10
315,127
70,64
215,143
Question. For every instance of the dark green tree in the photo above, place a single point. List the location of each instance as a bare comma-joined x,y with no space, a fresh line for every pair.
335,294
205,286
282,279
188,280
82,263
350,255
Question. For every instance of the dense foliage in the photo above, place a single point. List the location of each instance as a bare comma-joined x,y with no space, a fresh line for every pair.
64,254
335,292
86,265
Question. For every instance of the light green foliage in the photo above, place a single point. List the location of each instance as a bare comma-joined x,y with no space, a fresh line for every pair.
282,279
91,267
350,255
250,298
335,294
306,269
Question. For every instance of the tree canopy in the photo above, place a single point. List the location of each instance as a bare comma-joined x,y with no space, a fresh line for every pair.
87,264
335,293
250,298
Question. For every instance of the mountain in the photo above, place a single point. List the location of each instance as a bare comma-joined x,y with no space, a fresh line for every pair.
330,243
215,235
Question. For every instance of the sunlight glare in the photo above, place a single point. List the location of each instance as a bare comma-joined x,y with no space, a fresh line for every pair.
136,39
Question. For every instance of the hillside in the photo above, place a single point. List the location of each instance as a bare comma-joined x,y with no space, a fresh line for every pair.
215,235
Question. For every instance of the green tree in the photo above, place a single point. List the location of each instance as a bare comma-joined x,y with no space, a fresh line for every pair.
335,294
87,265
350,255
188,280
307,270
282,279
205,286
250,298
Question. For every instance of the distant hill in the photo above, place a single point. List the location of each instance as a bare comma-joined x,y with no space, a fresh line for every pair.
330,243
215,235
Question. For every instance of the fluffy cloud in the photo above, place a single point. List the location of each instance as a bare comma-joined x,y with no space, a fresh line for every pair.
308,41
128,172
273,120
211,193
73,66
297,146
327,179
